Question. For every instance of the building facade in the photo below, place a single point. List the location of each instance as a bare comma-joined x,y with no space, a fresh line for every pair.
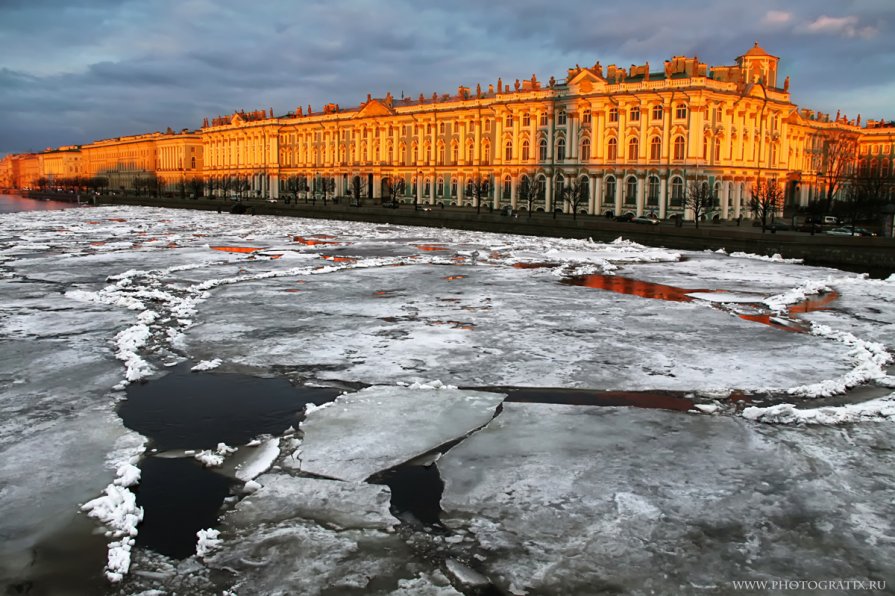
631,140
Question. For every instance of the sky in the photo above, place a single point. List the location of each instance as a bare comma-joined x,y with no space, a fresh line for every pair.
75,71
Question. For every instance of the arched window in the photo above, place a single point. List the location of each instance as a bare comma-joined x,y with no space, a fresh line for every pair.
560,150
772,155
542,120
677,192
441,154
610,190
524,184
584,188
679,144
486,152
453,187
705,148
872,168
192,163
633,149
428,188
440,187
559,189
507,186
716,194
508,151
885,170
455,153
631,191
585,150
655,149
542,150
526,152
612,150
652,197
717,151
634,114
542,187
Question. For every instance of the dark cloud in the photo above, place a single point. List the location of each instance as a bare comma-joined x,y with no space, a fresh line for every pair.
79,70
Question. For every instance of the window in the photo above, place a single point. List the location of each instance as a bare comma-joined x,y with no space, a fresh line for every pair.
542,187
441,128
658,112
193,163
453,187
679,144
455,153
635,114
585,150
507,186
509,121
542,150
631,191
613,114
441,154
633,149
772,159
612,150
561,119
652,197
717,152
560,186
655,149
543,119
705,148
560,149
440,187
486,152
610,190
526,153
677,192
526,119
680,112
428,188
585,118
487,125
508,151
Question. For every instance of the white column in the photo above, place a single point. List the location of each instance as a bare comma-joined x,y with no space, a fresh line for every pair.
596,191
513,191
725,198
619,189
548,195
641,184
663,195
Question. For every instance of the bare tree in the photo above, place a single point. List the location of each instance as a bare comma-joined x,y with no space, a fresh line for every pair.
295,184
197,186
480,186
575,193
359,189
699,199
767,197
864,196
531,190
834,157
393,187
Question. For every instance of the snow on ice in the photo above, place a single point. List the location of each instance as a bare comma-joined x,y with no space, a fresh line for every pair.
380,427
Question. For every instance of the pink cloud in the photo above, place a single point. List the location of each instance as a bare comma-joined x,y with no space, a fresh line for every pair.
777,17
844,26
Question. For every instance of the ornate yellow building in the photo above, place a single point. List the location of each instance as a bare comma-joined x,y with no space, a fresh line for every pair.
632,138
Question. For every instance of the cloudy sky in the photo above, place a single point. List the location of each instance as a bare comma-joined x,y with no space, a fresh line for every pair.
73,71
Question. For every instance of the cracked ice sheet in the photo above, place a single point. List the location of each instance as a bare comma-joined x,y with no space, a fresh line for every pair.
569,499
336,536
500,326
378,428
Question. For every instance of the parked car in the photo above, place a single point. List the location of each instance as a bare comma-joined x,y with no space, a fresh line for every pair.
624,216
643,219
506,210
847,231
390,204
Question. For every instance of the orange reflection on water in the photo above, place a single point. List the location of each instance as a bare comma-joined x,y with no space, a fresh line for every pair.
634,287
430,247
313,241
454,277
776,323
239,249
335,259
814,303
118,219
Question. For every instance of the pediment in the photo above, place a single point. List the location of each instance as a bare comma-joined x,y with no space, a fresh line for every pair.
374,107
236,120
586,81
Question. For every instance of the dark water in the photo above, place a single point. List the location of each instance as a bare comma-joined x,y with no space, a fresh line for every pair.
16,203
657,399
179,497
198,410
416,491
187,410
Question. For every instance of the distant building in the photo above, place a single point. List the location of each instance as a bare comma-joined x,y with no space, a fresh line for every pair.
633,138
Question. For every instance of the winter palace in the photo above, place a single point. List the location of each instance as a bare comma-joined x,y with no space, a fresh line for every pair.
632,139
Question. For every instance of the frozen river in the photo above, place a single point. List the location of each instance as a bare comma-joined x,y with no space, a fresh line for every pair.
195,402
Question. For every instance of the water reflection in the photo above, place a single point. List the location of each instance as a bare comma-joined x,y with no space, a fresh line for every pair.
634,287
18,203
